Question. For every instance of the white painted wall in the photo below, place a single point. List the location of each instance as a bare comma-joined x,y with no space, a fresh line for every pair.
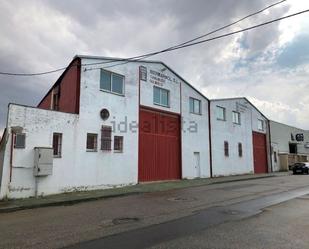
194,140
39,126
78,169
172,85
233,133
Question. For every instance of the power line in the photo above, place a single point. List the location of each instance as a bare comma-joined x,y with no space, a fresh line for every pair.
206,40
179,46
149,54
197,38
141,57
229,25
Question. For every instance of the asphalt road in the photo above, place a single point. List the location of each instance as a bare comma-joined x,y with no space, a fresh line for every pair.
283,226
261,213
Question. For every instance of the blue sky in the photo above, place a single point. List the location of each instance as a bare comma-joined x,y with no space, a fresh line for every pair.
269,65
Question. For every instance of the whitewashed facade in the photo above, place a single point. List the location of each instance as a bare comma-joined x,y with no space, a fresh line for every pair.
78,169
229,160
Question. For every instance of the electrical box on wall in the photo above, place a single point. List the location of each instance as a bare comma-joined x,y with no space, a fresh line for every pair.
43,161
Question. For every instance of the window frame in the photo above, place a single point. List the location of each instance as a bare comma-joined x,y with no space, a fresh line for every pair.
55,98
121,144
95,144
168,96
239,117
260,121
200,106
224,113
59,145
15,139
106,140
240,150
111,83
226,149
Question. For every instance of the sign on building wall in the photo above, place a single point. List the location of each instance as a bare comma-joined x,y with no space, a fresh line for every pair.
143,73
299,137
156,77
241,107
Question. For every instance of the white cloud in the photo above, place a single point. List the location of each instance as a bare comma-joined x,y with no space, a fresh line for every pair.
42,35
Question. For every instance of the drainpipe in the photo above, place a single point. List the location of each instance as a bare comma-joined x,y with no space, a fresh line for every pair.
11,155
210,143
270,151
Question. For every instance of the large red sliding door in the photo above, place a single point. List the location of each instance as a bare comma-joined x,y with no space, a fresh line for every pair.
259,153
159,146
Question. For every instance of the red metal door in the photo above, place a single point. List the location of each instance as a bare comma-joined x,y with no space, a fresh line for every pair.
259,153
159,146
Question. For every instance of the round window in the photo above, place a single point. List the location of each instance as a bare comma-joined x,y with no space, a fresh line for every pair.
104,114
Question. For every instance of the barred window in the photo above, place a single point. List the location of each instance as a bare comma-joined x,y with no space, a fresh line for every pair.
226,148
240,149
92,142
106,138
57,144
118,143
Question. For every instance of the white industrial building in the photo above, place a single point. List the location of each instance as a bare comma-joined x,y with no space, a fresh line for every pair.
288,145
99,128
239,138
110,122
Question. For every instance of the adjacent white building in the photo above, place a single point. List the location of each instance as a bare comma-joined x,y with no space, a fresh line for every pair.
106,123
239,135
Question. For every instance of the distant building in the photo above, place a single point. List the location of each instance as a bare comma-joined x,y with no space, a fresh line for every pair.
288,145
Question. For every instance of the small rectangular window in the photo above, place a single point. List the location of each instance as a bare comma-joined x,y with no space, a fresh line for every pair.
55,98
92,142
195,105
260,124
240,149
106,138
220,112
160,96
226,148
111,82
57,144
275,156
105,80
20,140
117,83
236,117
118,143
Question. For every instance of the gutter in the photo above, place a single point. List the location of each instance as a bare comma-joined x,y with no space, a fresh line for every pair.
270,150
